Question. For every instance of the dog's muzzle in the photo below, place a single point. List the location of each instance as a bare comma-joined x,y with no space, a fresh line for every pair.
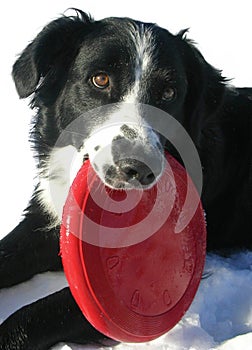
135,164
126,156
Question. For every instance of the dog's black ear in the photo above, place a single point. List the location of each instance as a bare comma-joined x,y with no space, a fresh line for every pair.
50,53
206,85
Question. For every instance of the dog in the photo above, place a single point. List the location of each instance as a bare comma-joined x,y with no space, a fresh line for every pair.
76,65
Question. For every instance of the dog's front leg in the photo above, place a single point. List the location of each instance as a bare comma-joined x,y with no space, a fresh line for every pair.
29,249
50,320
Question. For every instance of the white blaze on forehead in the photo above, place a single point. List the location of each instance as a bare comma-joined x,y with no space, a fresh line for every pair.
144,46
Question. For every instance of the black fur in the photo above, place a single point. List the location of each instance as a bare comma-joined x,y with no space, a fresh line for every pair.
55,69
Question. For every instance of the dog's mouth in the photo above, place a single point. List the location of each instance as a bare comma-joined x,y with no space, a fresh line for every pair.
85,157
127,174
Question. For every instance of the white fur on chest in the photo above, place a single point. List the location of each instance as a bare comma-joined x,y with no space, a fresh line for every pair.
56,179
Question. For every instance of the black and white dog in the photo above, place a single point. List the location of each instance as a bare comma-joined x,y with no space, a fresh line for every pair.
76,65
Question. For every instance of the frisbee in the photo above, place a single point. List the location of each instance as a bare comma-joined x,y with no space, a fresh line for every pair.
133,258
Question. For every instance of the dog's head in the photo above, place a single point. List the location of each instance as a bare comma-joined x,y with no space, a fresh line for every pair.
114,67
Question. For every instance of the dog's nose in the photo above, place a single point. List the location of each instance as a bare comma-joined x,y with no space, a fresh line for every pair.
135,170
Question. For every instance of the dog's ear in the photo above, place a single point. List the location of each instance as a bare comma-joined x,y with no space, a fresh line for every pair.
47,57
206,85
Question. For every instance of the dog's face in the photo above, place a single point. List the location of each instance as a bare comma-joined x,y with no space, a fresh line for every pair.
112,67
124,64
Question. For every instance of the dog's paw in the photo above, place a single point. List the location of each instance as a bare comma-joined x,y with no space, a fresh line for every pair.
6,269
13,337
11,267
21,331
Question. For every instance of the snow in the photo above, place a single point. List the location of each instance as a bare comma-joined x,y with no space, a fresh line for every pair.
220,317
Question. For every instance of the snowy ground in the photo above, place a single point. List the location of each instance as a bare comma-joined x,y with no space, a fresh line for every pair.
219,318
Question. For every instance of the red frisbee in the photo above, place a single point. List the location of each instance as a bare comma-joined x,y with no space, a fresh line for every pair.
131,269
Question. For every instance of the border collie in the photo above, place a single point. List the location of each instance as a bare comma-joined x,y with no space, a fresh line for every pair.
76,65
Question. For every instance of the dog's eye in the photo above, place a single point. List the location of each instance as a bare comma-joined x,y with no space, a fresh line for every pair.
169,94
100,80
